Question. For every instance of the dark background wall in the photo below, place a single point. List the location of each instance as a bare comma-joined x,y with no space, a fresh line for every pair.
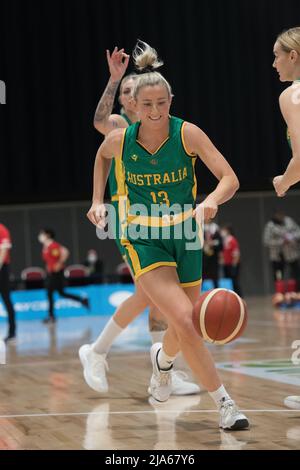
218,58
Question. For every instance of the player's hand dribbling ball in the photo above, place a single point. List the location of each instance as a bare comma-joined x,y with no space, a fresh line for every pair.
220,316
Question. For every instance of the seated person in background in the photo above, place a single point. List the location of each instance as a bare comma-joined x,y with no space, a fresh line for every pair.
231,257
94,265
212,248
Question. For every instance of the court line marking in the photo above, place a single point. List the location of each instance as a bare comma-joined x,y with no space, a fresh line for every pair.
67,361
268,323
100,413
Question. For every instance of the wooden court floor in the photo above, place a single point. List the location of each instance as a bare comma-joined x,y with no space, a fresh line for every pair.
45,403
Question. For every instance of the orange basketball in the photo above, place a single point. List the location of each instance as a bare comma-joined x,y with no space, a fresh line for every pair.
220,316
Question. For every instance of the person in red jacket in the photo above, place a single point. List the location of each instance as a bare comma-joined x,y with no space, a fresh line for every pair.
55,256
5,247
231,257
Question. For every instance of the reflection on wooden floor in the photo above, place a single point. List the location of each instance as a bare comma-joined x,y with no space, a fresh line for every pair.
45,403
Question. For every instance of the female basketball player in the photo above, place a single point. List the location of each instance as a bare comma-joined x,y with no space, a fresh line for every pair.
287,64
93,357
161,173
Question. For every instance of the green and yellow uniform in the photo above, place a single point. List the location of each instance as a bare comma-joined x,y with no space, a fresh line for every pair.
115,193
163,181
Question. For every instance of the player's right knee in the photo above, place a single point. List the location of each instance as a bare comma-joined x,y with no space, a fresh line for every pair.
184,326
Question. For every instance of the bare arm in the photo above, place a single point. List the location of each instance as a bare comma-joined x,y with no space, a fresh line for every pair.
104,121
5,246
63,256
290,108
199,144
3,252
111,147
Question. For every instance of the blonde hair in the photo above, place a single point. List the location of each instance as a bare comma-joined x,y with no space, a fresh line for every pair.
289,40
146,62
130,76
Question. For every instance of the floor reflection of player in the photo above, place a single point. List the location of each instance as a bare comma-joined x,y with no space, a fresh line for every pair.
98,432
166,415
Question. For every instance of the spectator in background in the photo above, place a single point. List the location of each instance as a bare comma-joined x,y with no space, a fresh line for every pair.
55,256
231,257
282,236
94,265
211,252
5,247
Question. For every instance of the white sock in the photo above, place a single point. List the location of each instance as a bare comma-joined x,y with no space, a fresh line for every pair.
104,341
164,361
157,336
219,396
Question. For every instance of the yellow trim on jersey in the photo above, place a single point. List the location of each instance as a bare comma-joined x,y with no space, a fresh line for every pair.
119,170
164,221
157,150
154,266
134,257
183,142
191,284
115,198
194,190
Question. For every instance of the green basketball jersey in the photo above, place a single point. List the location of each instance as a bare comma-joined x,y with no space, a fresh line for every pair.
165,177
113,175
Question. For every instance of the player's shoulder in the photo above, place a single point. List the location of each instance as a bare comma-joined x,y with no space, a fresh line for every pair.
116,135
54,245
118,121
290,96
193,132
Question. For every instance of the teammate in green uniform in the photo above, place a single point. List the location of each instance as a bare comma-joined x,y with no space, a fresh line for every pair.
94,356
287,64
164,151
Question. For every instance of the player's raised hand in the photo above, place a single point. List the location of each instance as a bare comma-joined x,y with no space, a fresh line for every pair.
117,63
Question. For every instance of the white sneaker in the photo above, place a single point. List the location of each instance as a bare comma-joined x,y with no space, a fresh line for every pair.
231,418
161,381
94,368
180,386
292,402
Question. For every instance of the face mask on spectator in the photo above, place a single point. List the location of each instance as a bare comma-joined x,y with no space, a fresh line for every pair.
92,258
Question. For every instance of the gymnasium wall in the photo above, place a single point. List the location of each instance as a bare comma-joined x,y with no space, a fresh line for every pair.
218,58
248,212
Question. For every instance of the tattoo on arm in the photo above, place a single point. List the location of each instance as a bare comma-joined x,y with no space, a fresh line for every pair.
106,102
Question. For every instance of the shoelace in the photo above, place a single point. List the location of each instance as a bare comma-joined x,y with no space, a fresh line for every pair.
163,378
230,407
